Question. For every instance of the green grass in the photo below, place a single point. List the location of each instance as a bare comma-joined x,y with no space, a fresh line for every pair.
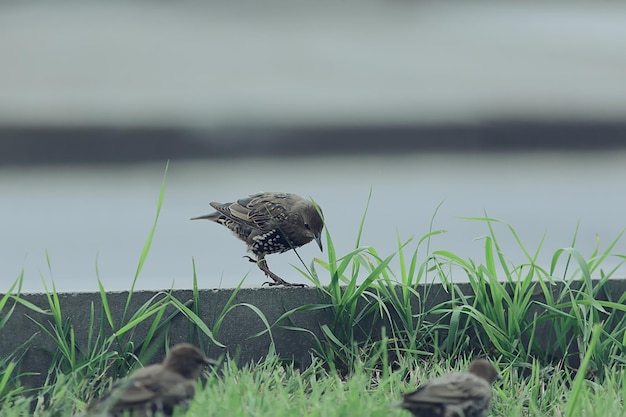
271,389
559,338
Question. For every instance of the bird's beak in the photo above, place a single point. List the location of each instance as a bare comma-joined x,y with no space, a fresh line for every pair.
212,362
318,239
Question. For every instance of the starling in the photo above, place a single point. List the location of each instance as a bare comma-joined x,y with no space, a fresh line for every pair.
156,389
271,223
459,394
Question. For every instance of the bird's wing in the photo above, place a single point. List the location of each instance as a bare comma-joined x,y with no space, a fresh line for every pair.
146,385
139,388
456,390
124,394
257,211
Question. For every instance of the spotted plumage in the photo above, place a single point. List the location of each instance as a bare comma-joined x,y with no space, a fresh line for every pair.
458,394
269,223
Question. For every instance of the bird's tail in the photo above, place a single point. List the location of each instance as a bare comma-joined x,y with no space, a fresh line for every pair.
211,216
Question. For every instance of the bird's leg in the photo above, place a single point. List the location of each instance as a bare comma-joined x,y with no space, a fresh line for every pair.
262,264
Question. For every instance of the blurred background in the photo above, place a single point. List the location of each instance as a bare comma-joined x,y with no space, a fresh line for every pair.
514,110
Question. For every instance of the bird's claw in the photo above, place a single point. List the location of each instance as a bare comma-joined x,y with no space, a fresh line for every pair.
262,264
251,259
283,283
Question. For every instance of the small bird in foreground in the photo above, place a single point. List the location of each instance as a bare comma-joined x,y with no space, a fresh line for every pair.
156,389
269,223
458,394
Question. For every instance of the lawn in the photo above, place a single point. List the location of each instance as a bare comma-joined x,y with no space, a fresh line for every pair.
270,388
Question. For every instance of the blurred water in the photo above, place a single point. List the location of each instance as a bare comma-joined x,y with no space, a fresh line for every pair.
98,218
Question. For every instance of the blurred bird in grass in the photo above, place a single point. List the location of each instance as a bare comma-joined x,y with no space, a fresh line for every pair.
156,390
458,394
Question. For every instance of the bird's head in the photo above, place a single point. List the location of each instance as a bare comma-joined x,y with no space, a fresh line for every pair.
312,222
186,360
485,370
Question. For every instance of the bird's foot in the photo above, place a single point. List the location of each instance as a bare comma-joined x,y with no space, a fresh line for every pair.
283,283
276,280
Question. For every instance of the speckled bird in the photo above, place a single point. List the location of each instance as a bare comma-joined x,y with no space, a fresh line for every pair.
458,394
156,389
271,222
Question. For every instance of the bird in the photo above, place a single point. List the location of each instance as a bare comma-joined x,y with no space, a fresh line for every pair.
458,394
270,222
156,389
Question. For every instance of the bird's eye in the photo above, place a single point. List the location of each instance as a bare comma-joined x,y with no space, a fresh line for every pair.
307,226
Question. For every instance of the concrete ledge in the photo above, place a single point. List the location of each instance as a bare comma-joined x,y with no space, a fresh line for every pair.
235,333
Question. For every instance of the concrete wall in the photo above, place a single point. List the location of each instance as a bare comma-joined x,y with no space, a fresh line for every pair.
235,333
